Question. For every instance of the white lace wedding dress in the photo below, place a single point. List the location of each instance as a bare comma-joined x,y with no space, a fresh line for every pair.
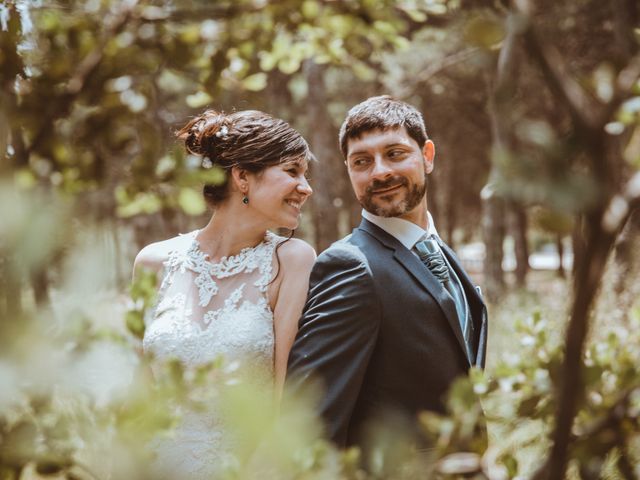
206,310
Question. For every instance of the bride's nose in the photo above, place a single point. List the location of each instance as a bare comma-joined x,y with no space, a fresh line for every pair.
304,187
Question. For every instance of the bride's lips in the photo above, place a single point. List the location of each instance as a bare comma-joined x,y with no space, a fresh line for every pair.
296,204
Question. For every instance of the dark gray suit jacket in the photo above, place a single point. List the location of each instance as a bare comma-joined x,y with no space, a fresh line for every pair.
381,333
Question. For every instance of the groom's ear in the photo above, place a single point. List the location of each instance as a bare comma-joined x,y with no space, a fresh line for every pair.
429,154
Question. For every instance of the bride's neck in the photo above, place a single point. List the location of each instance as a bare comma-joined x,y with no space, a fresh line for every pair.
229,231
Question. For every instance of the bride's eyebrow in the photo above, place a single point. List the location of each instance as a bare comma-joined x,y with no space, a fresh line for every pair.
294,162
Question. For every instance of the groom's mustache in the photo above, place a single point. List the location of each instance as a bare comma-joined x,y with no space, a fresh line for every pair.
383,185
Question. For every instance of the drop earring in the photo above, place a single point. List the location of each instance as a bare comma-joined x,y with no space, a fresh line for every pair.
245,199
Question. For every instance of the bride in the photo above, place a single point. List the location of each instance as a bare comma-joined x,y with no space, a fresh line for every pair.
232,289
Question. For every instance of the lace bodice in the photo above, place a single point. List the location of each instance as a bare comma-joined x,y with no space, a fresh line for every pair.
206,310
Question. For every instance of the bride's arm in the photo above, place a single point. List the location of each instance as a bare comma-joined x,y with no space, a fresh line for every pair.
149,259
296,259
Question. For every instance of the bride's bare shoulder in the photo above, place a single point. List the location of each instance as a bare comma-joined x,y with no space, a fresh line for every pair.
153,256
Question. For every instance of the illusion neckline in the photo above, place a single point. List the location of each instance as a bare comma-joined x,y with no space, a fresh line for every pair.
230,259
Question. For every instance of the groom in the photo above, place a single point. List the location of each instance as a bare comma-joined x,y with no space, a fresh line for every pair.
391,318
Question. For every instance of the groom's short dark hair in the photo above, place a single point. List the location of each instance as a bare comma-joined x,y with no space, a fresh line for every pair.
382,113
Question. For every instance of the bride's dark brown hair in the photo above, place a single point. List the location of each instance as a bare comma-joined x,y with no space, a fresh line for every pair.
249,139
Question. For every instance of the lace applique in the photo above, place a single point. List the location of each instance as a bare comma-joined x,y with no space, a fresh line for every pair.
230,304
246,261
178,301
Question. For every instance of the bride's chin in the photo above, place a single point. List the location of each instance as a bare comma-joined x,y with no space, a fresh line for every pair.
289,225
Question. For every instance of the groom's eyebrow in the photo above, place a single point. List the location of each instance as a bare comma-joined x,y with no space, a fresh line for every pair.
384,147
397,144
358,152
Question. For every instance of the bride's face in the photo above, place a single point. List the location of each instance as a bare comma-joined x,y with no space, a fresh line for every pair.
278,193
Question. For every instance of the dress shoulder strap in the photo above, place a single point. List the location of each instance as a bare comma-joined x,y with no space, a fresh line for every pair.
266,259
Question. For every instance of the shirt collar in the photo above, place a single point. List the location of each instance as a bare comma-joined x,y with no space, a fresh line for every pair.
406,232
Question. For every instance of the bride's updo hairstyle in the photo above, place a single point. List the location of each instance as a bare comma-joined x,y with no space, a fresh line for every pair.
249,139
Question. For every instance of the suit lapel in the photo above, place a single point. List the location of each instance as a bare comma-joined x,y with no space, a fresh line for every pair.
417,270
476,304
467,283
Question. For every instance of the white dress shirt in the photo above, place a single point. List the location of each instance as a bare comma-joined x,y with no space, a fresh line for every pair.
406,232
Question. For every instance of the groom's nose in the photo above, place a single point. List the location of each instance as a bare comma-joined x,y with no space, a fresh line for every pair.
381,168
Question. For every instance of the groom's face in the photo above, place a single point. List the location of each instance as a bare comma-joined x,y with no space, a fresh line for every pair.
388,172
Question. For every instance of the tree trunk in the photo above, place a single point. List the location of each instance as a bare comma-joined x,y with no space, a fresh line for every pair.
493,229
590,270
10,290
40,285
578,243
560,248
521,246
325,185
494,209
626,251
625,17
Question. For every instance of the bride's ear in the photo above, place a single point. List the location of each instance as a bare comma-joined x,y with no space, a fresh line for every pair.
240,179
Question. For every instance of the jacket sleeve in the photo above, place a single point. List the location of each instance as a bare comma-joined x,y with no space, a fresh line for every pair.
336,337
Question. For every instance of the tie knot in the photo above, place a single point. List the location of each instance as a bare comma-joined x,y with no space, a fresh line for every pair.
427,245
430,254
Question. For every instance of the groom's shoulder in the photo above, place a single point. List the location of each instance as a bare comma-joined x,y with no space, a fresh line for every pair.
344,250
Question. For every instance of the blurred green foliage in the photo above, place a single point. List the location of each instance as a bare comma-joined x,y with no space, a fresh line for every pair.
92,89
91,93
77,399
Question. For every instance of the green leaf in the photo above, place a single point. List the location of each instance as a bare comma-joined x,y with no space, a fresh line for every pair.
24,179
363,71
255,82
190,34
310,9
268,61
416,15
289,65
191,202
484,32
198,99
142,202
211,176
510,462
135,323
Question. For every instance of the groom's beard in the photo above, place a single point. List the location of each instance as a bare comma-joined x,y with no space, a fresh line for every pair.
384,206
